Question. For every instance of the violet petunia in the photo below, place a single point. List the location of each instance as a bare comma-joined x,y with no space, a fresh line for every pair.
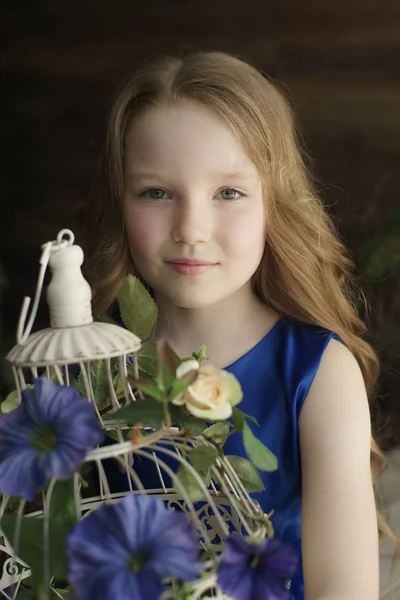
46,436
126,549
251,570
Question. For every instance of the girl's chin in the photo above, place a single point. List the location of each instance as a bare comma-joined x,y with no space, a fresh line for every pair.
192,301
194,304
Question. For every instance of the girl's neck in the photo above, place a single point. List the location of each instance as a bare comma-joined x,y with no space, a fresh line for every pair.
228,329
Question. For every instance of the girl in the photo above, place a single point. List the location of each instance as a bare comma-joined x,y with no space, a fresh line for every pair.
202,193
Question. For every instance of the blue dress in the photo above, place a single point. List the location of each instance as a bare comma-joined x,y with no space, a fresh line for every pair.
276,376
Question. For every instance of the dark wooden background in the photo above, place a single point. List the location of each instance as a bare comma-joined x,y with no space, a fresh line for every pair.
339,61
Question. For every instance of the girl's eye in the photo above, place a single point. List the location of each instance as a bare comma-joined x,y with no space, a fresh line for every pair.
155,194
229,194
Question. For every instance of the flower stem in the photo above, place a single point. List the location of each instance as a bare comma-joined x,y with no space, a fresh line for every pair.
265,519
167,416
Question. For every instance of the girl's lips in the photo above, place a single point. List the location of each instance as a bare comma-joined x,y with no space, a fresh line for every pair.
191,267
190,261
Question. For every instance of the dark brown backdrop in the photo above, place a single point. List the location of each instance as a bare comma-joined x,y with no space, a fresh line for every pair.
339,61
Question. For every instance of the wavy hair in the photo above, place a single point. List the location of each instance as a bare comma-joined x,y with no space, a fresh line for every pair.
305,272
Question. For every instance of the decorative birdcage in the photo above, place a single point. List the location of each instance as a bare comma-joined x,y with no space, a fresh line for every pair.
76,352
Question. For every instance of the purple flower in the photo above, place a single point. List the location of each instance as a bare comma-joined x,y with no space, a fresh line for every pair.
125,550
256,571
47,436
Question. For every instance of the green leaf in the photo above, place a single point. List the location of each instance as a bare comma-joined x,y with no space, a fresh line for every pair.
191,425
202,457
62,507
218,432
113,435
98,375
26,594
109,320
118,385
147,361
31,547
12,505
242,415
191,485
75,385
148,412
247,473
10,403
200,355
238,419
182,383
148,387
166,368
259,454
138,309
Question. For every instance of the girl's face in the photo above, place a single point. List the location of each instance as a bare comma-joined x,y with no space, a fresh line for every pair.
193,205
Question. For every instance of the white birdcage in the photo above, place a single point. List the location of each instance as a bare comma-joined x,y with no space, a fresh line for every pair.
74,339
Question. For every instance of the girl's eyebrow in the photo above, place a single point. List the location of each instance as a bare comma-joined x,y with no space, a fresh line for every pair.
234,175
215,175
143,176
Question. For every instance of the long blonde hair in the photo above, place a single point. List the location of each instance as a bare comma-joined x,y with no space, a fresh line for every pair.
305,272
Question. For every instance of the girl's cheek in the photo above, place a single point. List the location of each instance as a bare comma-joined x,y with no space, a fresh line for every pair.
144,231
246,234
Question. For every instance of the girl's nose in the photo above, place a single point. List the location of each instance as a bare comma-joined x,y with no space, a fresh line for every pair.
192,224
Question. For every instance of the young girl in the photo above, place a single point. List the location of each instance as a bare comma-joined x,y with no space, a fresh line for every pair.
203,194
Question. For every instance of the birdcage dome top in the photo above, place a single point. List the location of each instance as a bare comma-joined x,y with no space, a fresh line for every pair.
70,345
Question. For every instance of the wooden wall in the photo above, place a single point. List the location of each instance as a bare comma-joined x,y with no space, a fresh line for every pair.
338,60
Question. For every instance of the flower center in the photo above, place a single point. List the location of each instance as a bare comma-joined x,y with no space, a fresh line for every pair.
254,561
137,561
44,439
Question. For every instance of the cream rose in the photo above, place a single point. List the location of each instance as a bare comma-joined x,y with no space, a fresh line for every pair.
213,393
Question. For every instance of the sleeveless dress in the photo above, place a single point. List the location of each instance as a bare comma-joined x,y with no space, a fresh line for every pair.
275,375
